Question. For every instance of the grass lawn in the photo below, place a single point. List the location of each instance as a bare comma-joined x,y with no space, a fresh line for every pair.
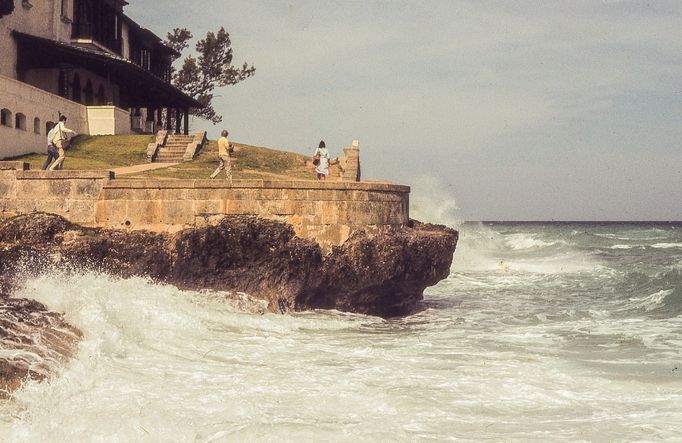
98,152
113,151
247,162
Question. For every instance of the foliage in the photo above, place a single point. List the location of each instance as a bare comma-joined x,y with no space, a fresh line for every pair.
200,76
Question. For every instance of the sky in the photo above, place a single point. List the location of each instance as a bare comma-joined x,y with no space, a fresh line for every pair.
506,110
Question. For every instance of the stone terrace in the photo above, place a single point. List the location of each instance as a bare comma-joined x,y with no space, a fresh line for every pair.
324,211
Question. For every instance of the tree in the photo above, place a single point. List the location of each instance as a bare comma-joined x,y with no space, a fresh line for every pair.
199,76
6,7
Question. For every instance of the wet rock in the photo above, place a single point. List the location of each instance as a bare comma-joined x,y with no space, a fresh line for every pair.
376,271
34,341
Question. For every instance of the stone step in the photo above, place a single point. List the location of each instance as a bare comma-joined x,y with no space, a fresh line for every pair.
170,154
171,149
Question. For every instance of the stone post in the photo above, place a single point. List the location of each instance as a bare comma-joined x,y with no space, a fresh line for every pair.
351,170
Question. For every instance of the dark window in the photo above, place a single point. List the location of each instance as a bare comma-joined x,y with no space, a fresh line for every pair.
89,101
36,125
20,121
48,127
101,97
6,118
76,88
63,84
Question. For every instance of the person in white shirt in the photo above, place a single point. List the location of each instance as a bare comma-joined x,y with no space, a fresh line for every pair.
322,156
60,139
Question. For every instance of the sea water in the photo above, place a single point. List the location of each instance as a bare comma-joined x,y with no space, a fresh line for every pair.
542,332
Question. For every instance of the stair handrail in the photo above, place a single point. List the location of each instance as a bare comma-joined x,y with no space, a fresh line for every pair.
153,147
194,146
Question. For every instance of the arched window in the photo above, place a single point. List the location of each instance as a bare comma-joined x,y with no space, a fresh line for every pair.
48,127
20,121
76,91
89,101
36,125
101,97
6,118
63,84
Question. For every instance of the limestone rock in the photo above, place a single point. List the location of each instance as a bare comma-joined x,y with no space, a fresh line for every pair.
378,272
35,342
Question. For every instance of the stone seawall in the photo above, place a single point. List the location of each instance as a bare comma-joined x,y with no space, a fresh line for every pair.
327,212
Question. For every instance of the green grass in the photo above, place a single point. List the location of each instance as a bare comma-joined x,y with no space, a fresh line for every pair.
247,162
113,151
98,152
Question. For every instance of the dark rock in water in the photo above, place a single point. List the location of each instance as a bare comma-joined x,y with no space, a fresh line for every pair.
383,272
34,342
378,272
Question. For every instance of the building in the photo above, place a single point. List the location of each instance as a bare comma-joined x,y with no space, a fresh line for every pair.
89,61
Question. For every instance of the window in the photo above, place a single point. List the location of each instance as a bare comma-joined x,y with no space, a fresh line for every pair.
36,125
101,98
48,127
20,121
89,101
76,88
6,118
63,84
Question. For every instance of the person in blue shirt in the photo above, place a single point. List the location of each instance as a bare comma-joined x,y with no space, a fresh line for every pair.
52,153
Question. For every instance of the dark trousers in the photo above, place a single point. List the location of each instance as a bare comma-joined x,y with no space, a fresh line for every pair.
52,154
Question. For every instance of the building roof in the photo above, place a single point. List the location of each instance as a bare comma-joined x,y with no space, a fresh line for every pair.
149,36
143,88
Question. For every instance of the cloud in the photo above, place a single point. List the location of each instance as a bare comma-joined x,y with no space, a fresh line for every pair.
456,87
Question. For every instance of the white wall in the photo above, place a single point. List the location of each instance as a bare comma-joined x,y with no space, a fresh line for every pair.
108,120
21,98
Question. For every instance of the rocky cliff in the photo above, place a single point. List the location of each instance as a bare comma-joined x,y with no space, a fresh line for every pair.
378,272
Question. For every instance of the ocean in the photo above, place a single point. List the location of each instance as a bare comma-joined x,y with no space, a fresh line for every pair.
542,332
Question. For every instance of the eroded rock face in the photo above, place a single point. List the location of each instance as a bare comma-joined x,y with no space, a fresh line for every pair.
375,272
34,341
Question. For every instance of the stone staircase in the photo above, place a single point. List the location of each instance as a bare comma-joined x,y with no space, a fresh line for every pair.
173,151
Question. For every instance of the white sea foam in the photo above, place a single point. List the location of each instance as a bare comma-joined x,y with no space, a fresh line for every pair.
666,245
530,344
652,301
481,248
525,241
432,202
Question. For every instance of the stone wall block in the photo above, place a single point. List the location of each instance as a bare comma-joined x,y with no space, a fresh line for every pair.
58,189
88,189
81,211
176,212
141,212
209,207
8,188
111,212
30,189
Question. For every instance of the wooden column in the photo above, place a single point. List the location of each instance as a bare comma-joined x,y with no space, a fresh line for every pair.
178,121
186,111
169,114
